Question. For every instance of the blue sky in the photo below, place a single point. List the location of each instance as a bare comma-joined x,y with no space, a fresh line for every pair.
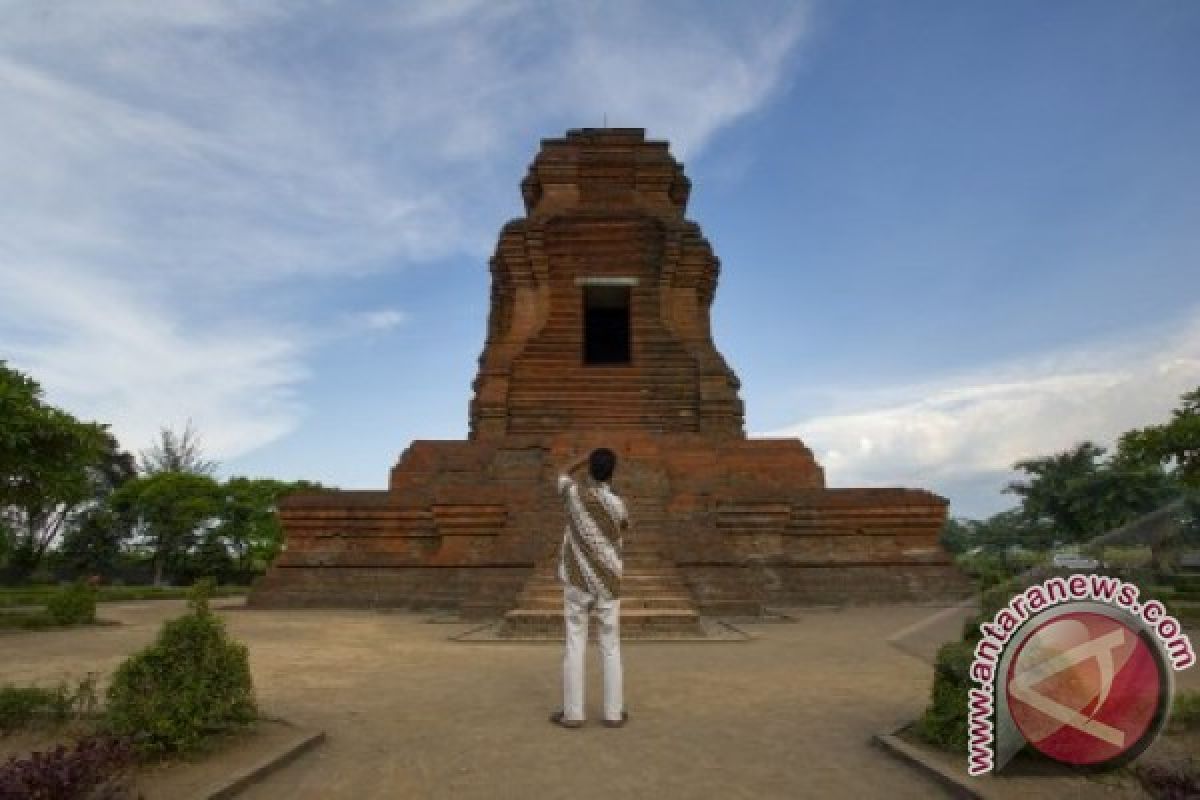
952,234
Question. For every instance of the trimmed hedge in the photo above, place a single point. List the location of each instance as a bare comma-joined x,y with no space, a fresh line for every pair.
1185,710
21,704
944,722
73,605
193,681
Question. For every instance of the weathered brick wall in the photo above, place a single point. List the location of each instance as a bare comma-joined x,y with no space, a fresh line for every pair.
747,522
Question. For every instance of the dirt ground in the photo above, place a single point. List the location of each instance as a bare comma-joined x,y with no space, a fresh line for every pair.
409,713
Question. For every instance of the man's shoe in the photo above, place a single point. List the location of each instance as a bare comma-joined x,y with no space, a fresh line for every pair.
559,719
617,723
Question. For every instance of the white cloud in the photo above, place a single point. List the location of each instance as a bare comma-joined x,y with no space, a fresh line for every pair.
384,319
166,166
960,435
381,320
128,364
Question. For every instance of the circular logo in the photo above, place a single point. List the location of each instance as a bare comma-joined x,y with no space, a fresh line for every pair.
1088,689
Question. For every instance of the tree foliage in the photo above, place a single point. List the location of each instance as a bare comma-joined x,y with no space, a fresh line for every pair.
172,512
94,545
93,542
67,489
958,534
1079,494
248,519
50,467
1076,494
176,452
1174,444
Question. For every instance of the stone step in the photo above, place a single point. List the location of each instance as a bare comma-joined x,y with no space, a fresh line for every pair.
679,593
629,616
667,590
654,596
631,571
664,591
633,576
631,582
556,604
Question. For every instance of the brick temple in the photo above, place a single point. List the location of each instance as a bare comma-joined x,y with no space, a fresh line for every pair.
598,334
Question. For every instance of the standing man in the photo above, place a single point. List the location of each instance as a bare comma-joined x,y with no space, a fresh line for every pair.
590,570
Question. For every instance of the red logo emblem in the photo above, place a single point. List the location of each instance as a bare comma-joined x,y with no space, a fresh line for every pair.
1087,689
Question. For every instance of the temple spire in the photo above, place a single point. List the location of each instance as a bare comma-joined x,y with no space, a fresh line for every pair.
605,168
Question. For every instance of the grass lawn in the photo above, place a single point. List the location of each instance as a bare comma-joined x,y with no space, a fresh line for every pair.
12,596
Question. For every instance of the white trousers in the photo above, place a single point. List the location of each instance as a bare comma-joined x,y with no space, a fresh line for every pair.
576,605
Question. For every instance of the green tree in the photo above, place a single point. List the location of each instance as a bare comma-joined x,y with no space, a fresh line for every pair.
6,541
1010,528
1079,494
248,518
93,542
48,463
172,511
1056,489
1175,444
1189,523
958,534
211,558
176,452
94,545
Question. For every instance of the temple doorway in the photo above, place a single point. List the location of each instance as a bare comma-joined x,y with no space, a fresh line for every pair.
606,334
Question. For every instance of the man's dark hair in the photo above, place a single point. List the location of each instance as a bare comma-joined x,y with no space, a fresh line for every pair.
601,463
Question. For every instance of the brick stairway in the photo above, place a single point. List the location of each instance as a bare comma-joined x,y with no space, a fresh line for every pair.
655,601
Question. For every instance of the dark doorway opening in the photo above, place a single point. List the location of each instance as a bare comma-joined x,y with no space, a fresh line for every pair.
606,325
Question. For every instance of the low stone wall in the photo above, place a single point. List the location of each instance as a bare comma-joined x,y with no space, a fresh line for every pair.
477,591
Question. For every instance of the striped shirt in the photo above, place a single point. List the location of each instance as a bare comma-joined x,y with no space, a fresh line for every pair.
591,551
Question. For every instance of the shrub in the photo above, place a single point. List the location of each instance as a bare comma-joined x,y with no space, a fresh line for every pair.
1022,560
996,597
1143,577
96,768
944,722
986,568
1185,710
1127,558
191,682
41,577
27,620
20,704
73,604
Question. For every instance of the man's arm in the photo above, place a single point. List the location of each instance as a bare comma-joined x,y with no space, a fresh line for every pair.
566,470
574,465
